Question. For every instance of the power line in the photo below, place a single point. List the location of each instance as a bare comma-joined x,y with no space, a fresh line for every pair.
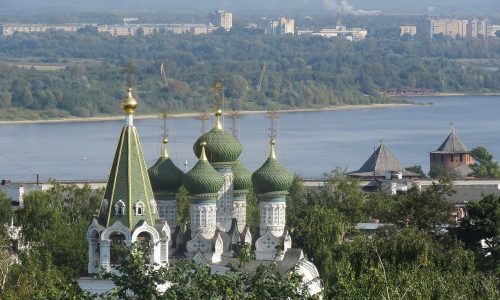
17,164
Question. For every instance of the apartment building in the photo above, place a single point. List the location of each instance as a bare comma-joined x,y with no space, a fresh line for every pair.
408,29
456,28
281,26
11,28
221,18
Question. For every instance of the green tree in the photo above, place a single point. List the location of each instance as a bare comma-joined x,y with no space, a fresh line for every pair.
342,193
319,231
21,93
295,202
482,225
189,280
426,208
380,206
183,217
398,263
34,276
7,262
6,212
485,166
56,221
416,169
236,86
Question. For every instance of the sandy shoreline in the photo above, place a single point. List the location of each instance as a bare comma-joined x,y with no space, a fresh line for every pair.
192,115
445,95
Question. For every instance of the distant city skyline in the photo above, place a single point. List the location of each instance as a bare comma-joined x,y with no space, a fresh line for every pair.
360,7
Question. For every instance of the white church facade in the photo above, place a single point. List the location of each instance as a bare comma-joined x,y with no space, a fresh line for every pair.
139,204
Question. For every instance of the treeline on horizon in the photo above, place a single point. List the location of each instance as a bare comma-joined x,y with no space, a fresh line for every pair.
300,71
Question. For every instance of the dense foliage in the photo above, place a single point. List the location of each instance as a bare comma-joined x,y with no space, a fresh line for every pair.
189,280
300,71
405,258
51,249
480,231
485,166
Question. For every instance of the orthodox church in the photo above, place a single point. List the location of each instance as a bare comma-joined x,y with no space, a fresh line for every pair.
139,204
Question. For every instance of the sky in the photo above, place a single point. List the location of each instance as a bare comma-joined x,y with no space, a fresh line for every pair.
445,7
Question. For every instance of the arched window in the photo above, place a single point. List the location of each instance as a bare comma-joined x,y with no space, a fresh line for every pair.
117,248
139,208
145,239
119,208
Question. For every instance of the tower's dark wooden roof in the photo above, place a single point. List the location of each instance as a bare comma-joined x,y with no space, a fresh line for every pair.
452,144
381,161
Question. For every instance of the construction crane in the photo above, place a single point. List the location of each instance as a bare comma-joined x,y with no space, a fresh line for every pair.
261,78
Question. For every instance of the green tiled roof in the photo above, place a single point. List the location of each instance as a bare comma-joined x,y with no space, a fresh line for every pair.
272,177
165,176
221,147
203,179
129,182
242,177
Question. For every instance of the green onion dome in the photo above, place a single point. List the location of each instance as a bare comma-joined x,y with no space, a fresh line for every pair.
203,179
164,175
222,148
272,177
242,177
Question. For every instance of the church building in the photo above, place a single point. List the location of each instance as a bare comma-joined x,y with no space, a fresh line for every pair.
140,205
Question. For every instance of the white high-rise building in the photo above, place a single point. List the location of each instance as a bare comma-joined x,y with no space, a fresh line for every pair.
281,26
223,19
455,28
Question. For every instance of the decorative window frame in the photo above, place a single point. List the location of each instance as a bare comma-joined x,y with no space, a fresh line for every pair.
139,208
120,208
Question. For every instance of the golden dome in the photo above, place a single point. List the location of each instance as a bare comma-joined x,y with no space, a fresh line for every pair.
272,154
129,103
203,156
218,124
164,153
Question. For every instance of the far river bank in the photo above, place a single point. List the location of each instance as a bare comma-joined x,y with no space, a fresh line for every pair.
193,115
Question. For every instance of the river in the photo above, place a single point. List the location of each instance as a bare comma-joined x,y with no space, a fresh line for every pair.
309,143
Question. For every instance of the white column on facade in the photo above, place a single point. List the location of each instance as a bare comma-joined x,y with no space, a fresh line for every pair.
168,211
272,217
164,252
93,264
225,201
240,211
105,255
156,255
203,218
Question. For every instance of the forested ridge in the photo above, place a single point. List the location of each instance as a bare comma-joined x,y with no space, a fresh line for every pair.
300,71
